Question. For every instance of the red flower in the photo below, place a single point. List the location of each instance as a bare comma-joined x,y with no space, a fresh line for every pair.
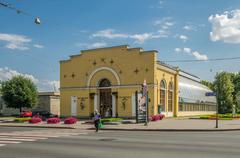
70,120
53,120
35,120
157,117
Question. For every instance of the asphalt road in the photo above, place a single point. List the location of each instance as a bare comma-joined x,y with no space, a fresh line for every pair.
113,144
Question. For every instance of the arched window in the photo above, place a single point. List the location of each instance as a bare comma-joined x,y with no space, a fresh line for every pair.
104,83
162,94
170,97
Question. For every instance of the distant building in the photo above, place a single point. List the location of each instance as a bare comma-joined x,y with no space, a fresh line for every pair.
107,78
48,101
4,110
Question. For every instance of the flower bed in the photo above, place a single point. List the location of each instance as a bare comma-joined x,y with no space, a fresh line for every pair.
157,117
70,120
35,120
53,120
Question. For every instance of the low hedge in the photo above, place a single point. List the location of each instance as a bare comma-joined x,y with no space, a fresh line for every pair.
227,116
24,119
111,120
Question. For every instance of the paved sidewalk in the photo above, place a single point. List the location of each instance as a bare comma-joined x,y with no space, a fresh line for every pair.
173,124
180,125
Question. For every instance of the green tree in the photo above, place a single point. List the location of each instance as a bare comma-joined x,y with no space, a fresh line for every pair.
208,84
19,92
236,83
224,88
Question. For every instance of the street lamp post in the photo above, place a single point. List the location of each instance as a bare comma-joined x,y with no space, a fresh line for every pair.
217,115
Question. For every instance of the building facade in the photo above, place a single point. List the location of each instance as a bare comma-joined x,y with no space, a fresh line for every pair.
47,101
107,79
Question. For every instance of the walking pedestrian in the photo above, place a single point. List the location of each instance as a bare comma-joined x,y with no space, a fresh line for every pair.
96,118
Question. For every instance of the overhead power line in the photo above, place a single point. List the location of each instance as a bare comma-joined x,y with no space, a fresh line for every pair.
19,11
213,59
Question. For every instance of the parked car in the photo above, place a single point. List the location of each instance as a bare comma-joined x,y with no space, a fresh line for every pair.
43,114
26,114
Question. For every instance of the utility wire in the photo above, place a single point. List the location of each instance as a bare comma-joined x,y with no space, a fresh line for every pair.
213,59
10,6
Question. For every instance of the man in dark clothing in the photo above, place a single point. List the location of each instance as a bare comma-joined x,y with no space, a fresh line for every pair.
96,118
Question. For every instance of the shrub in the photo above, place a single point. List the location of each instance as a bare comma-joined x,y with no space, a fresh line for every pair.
204,117
35,120
111,120
53,120
22,119
70,120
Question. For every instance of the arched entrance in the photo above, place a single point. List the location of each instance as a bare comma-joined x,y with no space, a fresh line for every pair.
105,98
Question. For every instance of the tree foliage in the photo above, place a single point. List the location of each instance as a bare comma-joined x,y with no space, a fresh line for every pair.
19,92
224,88
236,93
208,84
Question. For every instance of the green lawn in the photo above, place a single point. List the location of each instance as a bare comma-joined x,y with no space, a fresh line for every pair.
227,116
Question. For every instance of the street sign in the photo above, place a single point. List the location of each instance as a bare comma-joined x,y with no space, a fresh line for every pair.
208,94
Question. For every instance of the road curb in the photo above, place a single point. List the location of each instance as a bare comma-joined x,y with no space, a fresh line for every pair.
38,126
169,130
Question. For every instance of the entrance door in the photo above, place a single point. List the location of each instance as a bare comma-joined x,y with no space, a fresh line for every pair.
73,106
106,103
105,98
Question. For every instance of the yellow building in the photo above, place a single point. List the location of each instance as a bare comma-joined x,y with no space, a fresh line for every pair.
107,78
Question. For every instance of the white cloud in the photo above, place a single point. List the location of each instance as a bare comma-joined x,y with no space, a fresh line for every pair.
158,5
16,46
161,2
47,86
141,38
109,33
225,27
183,38
199,56
38,46
15,41
91,45
43,85
189,51
97,45
6,74
164,23
138,38
189,28
169,23
178,50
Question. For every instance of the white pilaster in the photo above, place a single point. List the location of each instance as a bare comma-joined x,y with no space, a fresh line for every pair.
133,105
113,105
96,102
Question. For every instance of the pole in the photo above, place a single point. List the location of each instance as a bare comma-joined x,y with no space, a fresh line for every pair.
146,119
217,116
217,111
136,103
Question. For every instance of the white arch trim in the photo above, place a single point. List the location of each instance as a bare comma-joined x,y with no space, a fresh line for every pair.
103,68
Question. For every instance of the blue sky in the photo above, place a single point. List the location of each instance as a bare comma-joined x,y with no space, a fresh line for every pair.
179,30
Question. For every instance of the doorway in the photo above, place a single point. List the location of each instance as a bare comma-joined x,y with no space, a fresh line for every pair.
105,98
